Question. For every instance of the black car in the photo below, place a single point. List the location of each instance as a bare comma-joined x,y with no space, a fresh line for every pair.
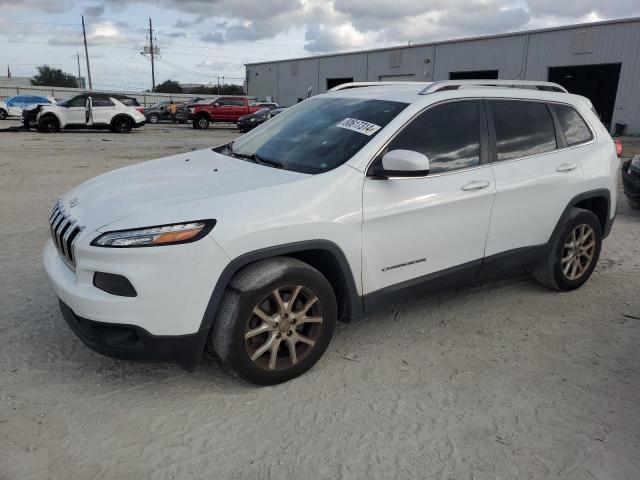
631,181
160,112
252,120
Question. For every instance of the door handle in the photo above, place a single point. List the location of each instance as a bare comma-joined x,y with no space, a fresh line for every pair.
566,167
474,185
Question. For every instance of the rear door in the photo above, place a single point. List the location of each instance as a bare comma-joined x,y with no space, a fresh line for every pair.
102,109
415,228
536,175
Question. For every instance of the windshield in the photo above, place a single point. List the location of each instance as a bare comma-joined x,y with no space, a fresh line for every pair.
262,112
319,134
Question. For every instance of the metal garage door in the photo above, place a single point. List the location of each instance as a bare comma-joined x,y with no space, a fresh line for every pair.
397,78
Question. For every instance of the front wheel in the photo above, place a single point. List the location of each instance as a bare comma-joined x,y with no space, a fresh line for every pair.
275,320
48,125
3,114
573,253
153,118
203,123
633,203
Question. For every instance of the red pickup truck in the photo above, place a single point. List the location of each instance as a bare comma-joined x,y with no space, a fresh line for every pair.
220,109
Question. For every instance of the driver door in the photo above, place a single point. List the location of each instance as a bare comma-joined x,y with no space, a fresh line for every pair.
431,228
75,111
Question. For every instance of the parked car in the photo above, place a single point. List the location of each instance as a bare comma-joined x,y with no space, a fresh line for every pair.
88,110
220,109
14,105
631,181
160,112
277,111
264,104
252,120
353,200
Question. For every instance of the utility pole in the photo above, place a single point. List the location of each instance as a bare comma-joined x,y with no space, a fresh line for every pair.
86,53
153,72
218,84
79,76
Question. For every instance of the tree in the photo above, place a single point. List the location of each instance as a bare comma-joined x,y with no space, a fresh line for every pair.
53,77
168,86
225,89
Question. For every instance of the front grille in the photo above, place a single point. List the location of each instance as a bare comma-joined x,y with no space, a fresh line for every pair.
64,231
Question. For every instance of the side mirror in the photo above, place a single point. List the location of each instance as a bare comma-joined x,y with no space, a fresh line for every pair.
216,104
403,163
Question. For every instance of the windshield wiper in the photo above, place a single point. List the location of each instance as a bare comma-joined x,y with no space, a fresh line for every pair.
256,159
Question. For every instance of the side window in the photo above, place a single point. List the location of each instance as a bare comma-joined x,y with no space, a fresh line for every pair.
78,101
222,102
448,134
522,128
101,101
574,127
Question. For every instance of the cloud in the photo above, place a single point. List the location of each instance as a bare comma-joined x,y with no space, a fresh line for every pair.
94,11
104,33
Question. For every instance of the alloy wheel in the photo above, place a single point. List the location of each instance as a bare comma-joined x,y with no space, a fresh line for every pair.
203,123
578,252
283,327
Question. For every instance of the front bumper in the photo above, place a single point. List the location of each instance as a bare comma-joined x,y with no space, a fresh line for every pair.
134,343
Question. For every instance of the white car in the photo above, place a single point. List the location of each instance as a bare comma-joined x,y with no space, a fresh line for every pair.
14,105
348,201
88,110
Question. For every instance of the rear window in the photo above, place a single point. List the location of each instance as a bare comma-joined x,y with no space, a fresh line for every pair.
574,127
522,128
129,102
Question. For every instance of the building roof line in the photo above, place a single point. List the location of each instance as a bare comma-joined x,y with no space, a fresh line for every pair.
457,40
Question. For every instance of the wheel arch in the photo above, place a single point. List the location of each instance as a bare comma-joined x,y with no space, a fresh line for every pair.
122,115
596,201
324,255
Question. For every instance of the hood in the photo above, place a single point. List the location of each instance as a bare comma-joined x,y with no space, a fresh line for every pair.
152,185
244,118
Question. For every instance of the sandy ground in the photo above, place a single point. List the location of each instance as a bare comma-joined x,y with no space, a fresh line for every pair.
502,381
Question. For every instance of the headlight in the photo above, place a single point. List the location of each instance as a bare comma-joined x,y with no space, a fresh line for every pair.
634,166
155,236
252,119
191,110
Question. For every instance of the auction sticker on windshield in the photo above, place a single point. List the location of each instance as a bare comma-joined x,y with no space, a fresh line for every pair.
359,126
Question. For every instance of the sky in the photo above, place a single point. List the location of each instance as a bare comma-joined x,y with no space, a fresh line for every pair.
201,40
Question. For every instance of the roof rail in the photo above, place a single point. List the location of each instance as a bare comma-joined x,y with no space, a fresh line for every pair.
455,84
346,86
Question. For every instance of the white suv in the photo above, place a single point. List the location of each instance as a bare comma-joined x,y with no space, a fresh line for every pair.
118,113
348,201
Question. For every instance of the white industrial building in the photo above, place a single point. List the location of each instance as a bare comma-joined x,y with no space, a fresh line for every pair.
599,60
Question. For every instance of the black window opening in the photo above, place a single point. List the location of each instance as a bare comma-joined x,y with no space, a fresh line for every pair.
448,134
334,82
77,101
474,75
522,128
599,83
101,101
573,125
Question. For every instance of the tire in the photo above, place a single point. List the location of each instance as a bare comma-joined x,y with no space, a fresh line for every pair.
633,203
195,125
48,124
3,114
568,267
203,122
153,118
122,125
252,289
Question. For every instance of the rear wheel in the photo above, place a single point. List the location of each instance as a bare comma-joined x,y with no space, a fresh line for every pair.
275,321
48,124
122,125
573,253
